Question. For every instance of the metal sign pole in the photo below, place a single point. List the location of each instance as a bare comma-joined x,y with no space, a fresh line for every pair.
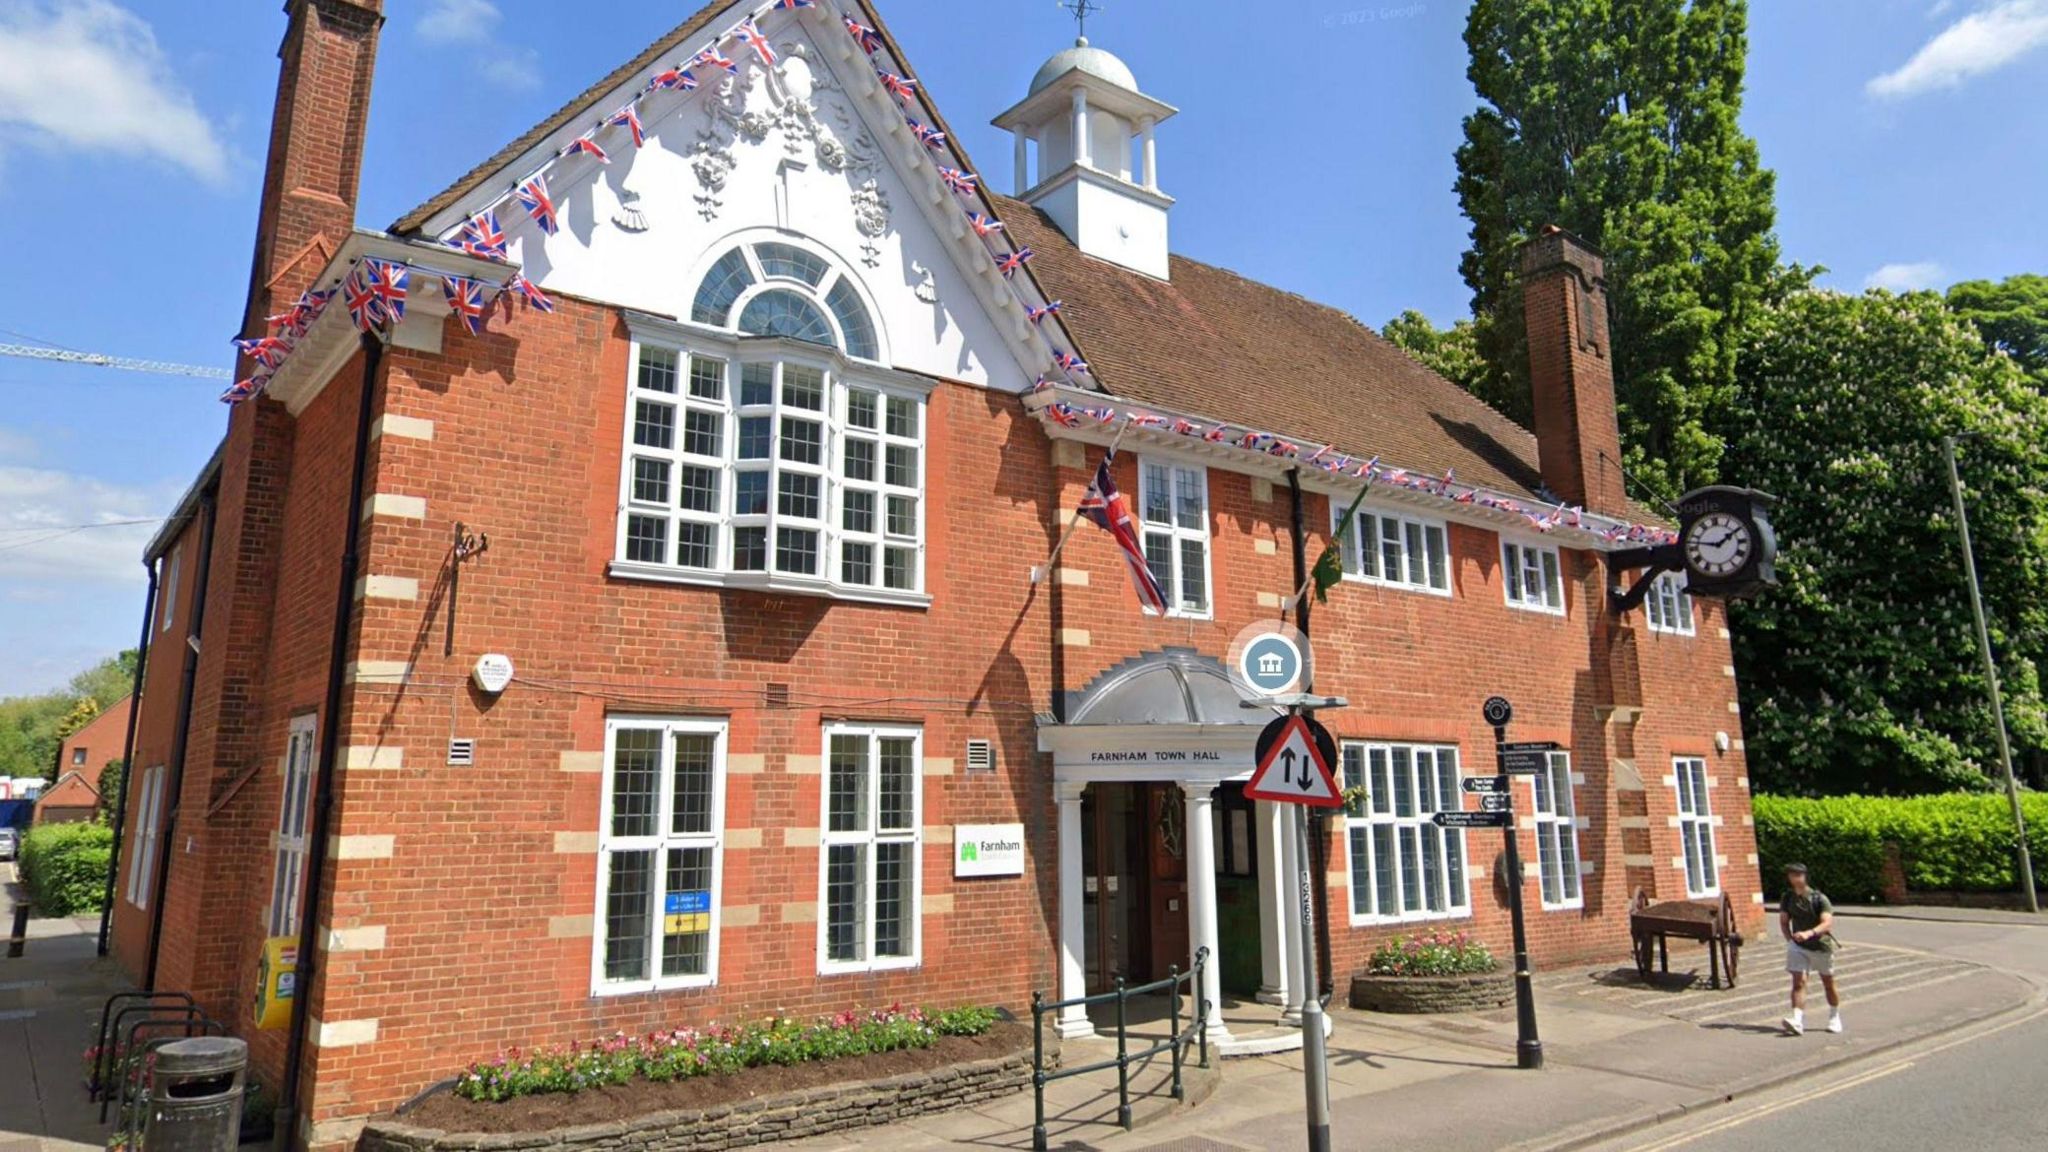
1314,1059
1528,1047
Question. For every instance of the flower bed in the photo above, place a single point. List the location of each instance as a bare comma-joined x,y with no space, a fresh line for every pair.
1439,972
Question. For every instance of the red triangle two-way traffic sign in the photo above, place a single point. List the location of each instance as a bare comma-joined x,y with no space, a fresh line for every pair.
1294,769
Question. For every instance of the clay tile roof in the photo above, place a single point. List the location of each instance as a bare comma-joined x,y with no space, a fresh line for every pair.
1212,343
413,220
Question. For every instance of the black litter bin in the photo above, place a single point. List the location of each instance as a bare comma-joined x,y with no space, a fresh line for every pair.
195,1095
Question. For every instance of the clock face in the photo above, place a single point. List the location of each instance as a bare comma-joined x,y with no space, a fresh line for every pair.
1718,545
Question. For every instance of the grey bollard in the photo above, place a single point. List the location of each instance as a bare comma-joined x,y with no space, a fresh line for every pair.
195,1095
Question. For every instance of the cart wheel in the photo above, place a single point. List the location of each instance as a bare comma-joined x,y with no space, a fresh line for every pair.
1644,956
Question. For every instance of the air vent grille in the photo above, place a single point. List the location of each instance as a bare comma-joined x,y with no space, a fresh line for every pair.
776,695
462,752
981,756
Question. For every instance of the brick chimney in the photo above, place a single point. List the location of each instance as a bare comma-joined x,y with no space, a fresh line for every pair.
316,147
1571,374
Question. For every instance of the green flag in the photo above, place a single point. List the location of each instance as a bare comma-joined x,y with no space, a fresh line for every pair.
1329,568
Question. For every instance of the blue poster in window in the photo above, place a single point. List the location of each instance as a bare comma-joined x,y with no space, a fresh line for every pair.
680,903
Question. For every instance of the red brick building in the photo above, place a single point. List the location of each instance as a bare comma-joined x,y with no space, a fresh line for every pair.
763,496
80,759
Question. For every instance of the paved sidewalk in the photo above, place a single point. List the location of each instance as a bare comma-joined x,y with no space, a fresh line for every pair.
49,1005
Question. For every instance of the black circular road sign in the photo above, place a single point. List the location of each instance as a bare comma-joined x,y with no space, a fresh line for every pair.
1498,711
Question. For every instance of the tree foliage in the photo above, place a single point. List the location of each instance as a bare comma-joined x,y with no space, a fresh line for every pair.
1617,120
1861,670
2012,316
1452,353
32,727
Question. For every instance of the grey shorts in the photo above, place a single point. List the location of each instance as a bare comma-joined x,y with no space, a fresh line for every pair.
1799,960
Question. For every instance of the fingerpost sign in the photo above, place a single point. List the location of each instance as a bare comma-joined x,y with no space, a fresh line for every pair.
1525,759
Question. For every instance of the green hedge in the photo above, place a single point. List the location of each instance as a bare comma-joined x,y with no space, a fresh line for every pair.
1951,843
65,867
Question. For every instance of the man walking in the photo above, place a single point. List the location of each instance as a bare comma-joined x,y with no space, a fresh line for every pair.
1807,920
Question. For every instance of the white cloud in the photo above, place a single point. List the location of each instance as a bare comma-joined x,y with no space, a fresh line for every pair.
89,74
1984,41
42,545
511,67
1907,277
459,21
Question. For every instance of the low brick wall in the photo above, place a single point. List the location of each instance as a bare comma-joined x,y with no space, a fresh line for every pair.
1416,994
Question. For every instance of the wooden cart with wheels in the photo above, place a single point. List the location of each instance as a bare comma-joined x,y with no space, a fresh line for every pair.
1651,926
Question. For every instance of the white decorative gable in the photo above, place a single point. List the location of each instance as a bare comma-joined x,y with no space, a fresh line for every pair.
813,150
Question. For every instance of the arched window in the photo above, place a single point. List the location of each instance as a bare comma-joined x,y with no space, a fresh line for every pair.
802,288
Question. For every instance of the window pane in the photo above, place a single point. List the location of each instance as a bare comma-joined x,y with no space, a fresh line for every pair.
1699,788
755,434
899,568
893,873
1382,791
1361,870
636,780
797,495
750,494
1404,784
654,425
1447,780
1425,781
1194,589
1433,868
853,320
686,913
703,432
1390,550
1511,569
650,481
857,512
846,875
1546,863
647,539
862,407
700,489
847,784
902,516
796,551
722,285
750,548
860,458
628,908
1411,869
1188,499
1454,867
657,369
790,263
1385,869
696,544
692,788
1568,858
1159,558
803,387
757,384
1354,777
707,378
1417,558
1709,871
898,794
1368,534
1158,494
783,313
1553,581
857,563
902,417
900,468
802,441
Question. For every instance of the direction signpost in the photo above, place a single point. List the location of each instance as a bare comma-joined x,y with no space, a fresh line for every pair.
1524,759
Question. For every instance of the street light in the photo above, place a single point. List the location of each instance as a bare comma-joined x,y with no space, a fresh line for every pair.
2012,790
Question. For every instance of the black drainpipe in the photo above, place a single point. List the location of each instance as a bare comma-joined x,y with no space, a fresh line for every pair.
1319,833
180,738
330,743
128,755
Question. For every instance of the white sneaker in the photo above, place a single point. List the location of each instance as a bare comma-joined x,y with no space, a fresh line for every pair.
1795,1024
1835,1022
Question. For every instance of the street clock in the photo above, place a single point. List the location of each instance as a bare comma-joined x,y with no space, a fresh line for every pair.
1726,547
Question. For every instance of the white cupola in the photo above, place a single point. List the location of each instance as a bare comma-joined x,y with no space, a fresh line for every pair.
1087,117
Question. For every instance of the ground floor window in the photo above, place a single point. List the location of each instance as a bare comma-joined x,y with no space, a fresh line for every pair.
869,871
1557,832
659,854
143,846
1696,826
289,866
1403,867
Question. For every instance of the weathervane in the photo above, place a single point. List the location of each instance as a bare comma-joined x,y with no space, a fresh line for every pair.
1081,9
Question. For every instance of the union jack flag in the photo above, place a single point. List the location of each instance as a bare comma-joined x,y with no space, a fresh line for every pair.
629,119
1042,384
1015,260
362,303
1148,420
245,389
1071,363
870,40
268,351
1104,506
1214,435
482,236
959,181
927,135
587,146
1063,415
983,225
388,281
1038,315
530,292
788,5
1185,426
673,80
902,87
751,33
716,59
533,196
466,301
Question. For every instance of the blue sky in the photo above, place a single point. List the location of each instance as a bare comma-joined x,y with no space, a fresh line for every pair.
1313,151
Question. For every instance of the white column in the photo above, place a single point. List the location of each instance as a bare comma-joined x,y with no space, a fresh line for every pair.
1084,148
1275,962
1201,834
1023,154
1290,920
1145,127
1073,1021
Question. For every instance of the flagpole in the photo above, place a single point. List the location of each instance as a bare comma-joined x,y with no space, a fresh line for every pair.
1040,572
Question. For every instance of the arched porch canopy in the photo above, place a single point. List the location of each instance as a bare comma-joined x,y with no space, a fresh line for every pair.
1172,714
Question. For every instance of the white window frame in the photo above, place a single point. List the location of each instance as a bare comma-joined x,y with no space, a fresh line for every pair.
663,839
1177,534
1410,530
1669,608
871,836
173,565
1695,826
1556,813
843,376
288,843
1379,810
142,858
1533,576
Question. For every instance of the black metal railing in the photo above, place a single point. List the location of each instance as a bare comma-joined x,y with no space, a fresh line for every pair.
1176,1040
